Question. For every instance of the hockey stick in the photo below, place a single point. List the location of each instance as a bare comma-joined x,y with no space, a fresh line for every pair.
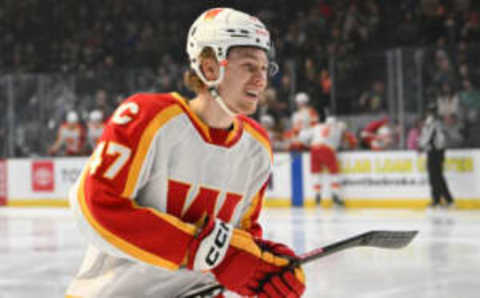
379,239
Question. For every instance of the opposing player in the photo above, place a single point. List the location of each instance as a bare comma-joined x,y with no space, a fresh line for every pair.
171,197
324,139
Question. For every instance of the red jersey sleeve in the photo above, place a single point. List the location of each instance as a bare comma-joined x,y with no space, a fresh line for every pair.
106,190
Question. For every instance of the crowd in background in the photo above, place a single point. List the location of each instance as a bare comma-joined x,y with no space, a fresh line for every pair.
115,47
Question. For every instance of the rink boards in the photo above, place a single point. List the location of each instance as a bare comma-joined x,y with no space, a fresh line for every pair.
394,179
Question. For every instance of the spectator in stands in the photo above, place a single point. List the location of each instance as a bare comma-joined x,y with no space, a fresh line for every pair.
448,102
308,81
103,103
95,127
285,92
355,24
463,53
469,96
454,131
470,101
324,90
444,73
451,28
414,134
408,31
373,101
471,29
464,72
70,137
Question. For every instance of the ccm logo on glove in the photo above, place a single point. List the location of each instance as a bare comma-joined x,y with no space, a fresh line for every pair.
219,244
213,247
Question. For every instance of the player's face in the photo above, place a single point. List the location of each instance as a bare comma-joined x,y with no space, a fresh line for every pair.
245,79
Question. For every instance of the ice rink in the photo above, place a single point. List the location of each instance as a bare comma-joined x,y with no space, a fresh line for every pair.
40,250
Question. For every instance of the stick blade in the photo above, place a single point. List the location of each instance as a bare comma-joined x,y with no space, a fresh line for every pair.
388,239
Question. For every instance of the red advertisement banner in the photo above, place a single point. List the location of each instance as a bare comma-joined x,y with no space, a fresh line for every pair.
43,176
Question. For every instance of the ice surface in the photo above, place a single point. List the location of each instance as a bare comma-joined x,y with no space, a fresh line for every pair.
41,249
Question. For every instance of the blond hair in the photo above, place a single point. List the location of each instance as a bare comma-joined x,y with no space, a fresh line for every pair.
191,79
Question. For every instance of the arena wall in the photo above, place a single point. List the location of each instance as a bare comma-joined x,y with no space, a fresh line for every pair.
395,179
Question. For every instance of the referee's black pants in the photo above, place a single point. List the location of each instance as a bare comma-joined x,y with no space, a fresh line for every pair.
438,185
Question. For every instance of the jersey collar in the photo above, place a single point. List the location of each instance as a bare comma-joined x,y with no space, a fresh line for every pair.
210,135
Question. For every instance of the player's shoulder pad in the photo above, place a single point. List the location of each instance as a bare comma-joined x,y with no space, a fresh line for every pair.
147,106
254,126
256,131
154,101
141,115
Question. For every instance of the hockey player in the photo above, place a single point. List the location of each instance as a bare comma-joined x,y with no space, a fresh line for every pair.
70,137
95,128
303,119
378,135
305,116
171,197
324,139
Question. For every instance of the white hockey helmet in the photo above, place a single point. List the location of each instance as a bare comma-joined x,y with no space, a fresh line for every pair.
302,98
222,29
384,130
72,117
330,119
95,116
267,121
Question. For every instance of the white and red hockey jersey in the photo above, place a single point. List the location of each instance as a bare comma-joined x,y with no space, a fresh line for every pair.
331,133
304,119
94,132
154,176
72,137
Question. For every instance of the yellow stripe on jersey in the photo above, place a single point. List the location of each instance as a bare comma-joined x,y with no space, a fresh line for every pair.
144,144
246,221
234,132
261,139
202,126
120,243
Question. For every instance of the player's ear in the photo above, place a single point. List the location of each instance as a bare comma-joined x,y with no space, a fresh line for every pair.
210,68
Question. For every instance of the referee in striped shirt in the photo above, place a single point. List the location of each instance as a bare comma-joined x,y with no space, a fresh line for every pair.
433,141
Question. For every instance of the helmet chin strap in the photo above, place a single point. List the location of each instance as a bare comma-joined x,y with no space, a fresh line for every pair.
212,88
214,92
